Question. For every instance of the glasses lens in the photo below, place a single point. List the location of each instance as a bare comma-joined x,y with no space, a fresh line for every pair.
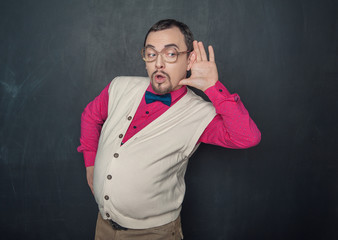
149,54
170,54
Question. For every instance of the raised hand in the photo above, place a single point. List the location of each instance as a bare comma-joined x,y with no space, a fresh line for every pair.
203,71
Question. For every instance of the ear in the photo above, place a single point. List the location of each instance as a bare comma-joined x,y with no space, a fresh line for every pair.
191,60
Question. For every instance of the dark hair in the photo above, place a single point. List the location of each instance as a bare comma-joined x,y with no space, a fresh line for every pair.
169,23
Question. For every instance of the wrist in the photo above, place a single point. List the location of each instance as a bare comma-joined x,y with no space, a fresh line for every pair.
210,85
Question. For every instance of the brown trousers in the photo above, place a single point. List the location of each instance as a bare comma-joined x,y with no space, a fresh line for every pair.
170,231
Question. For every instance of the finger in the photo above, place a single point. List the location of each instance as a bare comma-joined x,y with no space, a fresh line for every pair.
203,53
211,54
197,51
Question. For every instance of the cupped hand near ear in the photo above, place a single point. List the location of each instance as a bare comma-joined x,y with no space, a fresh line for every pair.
203,71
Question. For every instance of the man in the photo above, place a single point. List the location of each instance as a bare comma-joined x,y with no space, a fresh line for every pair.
151,126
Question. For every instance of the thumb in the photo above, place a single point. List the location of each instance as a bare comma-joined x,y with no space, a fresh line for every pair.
185,81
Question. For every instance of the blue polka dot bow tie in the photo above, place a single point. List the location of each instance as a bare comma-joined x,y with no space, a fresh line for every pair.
151,97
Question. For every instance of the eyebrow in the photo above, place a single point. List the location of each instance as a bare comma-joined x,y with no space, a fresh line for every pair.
165,46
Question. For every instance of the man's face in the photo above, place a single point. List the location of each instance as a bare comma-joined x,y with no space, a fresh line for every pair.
164,77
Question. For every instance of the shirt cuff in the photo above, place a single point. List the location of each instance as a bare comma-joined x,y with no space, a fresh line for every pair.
89,158
219,92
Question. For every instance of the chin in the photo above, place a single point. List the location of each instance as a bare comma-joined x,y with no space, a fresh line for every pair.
161,90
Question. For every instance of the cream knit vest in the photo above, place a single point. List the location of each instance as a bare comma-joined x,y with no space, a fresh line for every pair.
141,183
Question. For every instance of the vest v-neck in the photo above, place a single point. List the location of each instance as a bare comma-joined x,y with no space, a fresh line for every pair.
163,115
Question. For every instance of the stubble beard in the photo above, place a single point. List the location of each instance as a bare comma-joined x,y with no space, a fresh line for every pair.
158,87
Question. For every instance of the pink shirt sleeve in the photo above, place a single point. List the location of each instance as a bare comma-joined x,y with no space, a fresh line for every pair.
92,119
232,127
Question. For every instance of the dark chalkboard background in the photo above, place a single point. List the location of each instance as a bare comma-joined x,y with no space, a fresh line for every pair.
279,56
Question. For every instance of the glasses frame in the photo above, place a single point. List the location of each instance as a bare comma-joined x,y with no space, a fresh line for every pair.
160,53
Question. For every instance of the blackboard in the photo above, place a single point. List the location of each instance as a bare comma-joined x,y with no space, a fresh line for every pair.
279,56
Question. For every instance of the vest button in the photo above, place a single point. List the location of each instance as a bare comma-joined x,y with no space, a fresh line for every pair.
109,177
106,197
107,214
121,135
129,118
116,155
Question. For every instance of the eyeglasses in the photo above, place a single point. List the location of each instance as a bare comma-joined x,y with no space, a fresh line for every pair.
169,54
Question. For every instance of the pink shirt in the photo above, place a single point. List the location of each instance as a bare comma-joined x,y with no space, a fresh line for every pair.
232,127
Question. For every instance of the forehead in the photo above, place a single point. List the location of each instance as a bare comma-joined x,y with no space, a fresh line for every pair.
165,37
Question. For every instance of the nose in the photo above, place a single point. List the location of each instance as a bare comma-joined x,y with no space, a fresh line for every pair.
159,62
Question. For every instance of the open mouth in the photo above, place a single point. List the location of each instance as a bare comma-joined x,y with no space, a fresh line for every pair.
160,78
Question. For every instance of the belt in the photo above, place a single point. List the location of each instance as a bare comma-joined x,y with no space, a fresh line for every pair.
116,226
